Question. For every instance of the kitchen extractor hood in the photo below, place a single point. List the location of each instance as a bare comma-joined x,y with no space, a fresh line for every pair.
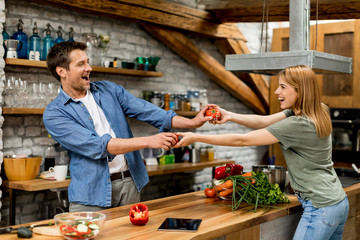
270,63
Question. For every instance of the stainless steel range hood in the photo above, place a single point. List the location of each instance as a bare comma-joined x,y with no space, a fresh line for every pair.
271,63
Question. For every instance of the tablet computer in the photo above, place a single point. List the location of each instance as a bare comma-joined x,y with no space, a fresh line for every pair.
180,224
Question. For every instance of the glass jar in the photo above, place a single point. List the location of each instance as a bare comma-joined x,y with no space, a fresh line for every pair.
91,41
172,101
210,153
203,154
203,98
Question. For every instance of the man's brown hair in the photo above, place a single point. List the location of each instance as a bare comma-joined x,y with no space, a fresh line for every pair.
59,56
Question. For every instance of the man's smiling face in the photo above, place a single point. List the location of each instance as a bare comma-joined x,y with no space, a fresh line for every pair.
76,80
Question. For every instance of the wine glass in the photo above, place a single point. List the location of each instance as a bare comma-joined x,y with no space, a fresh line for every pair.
22,93
9,92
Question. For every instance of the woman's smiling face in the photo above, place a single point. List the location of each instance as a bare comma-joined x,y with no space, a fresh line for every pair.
286,94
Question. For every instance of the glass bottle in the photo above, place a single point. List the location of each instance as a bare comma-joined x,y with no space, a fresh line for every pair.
35,44
22,37
166,102
48,42
71,35
49,156
59,35
5,36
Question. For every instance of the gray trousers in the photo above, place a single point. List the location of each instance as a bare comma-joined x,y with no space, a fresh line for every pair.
124,192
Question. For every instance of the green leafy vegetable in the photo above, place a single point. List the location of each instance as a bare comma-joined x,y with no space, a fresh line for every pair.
258,193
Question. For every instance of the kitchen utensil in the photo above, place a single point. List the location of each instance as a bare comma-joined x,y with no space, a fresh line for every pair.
275,174
12,229
21,167
47,231
11,45
355,168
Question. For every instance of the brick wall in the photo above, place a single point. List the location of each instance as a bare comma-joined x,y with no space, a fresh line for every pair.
27,135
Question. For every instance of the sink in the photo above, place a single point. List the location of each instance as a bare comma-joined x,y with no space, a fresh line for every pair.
347,176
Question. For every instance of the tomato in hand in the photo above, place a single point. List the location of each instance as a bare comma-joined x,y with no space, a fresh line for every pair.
177,138
210,192
213,112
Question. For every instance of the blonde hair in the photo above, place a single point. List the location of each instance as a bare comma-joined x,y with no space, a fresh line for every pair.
303,79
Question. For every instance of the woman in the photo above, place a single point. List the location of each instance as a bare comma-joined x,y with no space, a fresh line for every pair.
303,130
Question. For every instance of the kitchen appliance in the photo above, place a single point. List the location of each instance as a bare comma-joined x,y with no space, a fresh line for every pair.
346,134
270,63
11,46
275,174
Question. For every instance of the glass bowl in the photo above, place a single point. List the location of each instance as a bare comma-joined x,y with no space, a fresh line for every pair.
222,192
79,225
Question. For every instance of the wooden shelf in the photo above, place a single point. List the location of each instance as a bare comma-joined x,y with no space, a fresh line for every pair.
97,69
187,113
7,110
39,111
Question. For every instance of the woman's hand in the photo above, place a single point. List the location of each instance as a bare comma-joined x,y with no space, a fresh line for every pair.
187,139
225,117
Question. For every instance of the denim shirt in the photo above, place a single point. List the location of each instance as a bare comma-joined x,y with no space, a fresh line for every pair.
69,123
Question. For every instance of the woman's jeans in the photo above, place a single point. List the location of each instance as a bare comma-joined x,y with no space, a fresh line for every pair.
322,223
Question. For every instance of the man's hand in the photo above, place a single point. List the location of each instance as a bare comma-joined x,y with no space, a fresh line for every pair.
164,140
197,121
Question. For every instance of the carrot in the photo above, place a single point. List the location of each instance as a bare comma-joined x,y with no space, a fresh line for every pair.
248,174
225,192
227,184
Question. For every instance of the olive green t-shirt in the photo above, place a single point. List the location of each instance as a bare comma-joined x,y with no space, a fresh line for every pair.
308,159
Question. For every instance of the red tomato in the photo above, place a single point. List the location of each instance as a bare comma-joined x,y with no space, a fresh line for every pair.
210,192
177,137
213,112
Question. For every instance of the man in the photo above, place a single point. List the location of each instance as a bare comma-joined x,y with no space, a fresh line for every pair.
89,121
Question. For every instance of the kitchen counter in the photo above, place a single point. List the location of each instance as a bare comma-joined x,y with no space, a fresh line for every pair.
153,170
217,218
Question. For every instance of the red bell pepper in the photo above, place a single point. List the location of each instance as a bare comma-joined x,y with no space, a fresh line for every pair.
139,214
233,169
220,173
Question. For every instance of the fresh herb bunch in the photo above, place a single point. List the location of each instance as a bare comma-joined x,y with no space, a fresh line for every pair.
255,189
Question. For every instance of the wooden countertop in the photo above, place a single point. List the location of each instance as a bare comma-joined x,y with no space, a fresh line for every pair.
217,217
153,170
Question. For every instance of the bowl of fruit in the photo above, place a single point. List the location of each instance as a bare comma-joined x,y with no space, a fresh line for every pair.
80,225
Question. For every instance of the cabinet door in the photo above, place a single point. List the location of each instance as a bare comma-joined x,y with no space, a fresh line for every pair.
338,90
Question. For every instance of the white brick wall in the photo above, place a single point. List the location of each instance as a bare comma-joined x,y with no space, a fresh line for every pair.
27,135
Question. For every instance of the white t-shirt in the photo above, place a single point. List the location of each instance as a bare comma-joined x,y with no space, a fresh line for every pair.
102,126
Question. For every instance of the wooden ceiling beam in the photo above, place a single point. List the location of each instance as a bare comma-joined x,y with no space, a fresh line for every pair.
278,13
154,11
185,48
255,81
